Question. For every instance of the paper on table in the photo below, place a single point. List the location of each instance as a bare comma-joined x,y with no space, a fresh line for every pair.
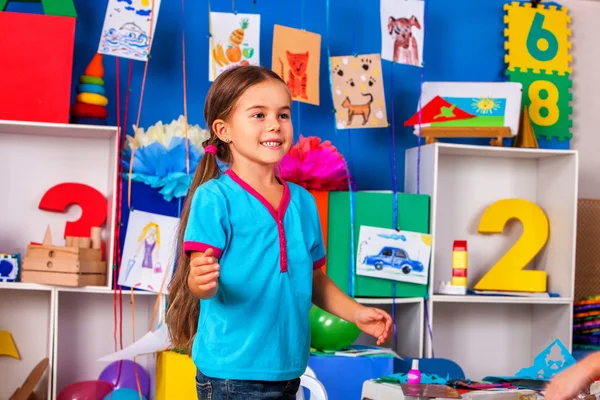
151,342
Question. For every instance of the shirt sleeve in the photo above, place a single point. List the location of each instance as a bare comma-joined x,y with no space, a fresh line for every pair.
208,223
317,250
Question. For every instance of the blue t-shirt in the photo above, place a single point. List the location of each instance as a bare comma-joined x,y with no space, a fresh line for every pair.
257,325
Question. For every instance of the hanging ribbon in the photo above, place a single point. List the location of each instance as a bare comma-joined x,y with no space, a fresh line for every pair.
137,123
395,195
427,320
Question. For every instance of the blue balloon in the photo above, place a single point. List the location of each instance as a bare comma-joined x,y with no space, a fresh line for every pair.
124,394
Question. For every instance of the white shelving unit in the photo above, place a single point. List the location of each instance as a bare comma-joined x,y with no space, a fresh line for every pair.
73,327
496,335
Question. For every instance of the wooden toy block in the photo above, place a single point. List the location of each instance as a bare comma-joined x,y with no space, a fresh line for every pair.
65,266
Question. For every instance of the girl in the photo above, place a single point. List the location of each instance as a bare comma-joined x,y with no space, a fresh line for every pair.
574,380
250,252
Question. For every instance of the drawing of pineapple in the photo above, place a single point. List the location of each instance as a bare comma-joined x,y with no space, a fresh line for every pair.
234,53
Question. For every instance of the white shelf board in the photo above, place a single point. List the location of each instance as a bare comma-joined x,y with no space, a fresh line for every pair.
58,130
388,300
103,290
442,298
81,289
452,149
24,286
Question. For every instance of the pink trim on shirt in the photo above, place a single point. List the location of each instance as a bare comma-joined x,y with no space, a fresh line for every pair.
319,263
277,215
189,247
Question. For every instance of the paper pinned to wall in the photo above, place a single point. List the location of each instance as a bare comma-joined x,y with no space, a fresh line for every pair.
149,251
296,58
234,41
126,30
403,31
358,96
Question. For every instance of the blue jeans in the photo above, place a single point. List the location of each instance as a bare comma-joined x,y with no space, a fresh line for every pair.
226,389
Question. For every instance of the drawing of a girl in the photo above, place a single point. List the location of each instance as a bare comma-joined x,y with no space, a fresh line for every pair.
149,240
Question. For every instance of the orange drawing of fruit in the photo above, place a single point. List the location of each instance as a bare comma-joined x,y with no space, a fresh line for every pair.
237,36
220,55
216,58
234,54
245,62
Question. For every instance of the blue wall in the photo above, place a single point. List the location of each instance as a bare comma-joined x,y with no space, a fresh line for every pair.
463,42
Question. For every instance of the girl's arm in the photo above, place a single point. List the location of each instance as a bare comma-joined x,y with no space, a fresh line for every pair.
327,296
574,380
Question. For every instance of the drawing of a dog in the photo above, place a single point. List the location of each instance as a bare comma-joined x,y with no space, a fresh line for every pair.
405,44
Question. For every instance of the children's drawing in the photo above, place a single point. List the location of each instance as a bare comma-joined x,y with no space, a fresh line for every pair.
126,30
296,58
358,96
402,31
396,255
235,40
469,104
149,251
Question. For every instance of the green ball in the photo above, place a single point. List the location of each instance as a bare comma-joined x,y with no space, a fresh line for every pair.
330,333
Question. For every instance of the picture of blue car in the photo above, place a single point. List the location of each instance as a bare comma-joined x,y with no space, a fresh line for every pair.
395,258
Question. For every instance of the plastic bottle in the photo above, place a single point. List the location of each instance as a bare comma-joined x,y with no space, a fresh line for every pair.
414,375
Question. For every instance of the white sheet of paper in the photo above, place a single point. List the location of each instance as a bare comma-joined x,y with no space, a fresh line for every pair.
149,251
407,24
126,29
235,40
396,255
151,342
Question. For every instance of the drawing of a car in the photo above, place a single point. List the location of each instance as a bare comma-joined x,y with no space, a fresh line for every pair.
396,258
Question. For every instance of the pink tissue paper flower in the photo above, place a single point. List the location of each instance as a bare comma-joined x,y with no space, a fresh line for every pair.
314,165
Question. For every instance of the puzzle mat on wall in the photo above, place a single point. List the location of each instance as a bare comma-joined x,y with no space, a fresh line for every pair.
296,58
235,40
402,31
538,56
358,95
149,251
126,29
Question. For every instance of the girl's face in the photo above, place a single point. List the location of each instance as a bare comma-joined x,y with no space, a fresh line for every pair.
260,128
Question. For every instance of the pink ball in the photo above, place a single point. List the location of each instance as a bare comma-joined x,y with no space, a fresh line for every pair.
86,390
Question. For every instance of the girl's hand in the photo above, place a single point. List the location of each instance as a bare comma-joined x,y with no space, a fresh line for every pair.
203,279
374,322
572,381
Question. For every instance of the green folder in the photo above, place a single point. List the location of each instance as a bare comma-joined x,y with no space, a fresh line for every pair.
371,209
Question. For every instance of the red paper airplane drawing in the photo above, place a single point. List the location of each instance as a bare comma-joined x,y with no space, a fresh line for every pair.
438,110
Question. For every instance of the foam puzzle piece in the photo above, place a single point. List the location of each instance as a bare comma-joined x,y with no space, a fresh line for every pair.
547,97
537,38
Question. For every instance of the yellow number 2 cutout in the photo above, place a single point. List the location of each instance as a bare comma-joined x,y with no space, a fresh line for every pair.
508,274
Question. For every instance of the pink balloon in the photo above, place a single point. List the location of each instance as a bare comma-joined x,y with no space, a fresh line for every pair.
86,390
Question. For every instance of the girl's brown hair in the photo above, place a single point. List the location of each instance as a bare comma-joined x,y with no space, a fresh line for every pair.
184,308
